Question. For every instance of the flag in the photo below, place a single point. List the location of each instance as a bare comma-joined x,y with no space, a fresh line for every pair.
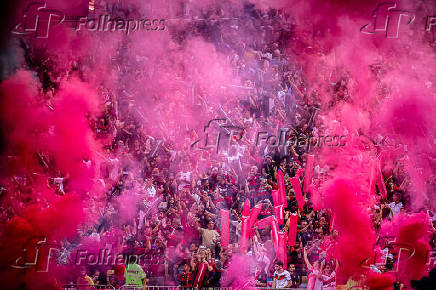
225,227
281,188
278,213
297,189
308,173
292,231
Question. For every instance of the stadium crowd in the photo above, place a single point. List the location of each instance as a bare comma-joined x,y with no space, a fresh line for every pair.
181,190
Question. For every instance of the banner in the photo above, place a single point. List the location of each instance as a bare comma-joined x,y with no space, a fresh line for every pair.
246,209
292,231
276,198
297,189
372,178
255,211
244,236
225,227
263,223
281,188
278,213
308,173
332,223
282,251
381,182
275,234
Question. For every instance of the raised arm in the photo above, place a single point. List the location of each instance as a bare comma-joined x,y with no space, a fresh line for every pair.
193,265
306,260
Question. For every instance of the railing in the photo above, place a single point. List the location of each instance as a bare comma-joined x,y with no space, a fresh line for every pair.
269,288
131,287
135,287
87,287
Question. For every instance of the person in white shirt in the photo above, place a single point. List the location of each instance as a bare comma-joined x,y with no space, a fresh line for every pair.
282,278
314,281
184,179
396,205
233,158
328,278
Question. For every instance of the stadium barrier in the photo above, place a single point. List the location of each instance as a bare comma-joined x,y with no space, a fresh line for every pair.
87,287
266,288
204,288
133,287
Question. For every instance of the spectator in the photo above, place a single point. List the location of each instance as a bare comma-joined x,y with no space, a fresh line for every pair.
261,276
134,274
305,234
209,236
328,278
173,197
186,277
282,278
295,277
396,205
314,281
84,281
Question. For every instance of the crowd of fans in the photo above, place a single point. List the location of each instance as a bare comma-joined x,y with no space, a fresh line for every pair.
180,192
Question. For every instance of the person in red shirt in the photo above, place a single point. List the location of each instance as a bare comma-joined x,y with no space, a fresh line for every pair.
119,273
204,265
186,278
